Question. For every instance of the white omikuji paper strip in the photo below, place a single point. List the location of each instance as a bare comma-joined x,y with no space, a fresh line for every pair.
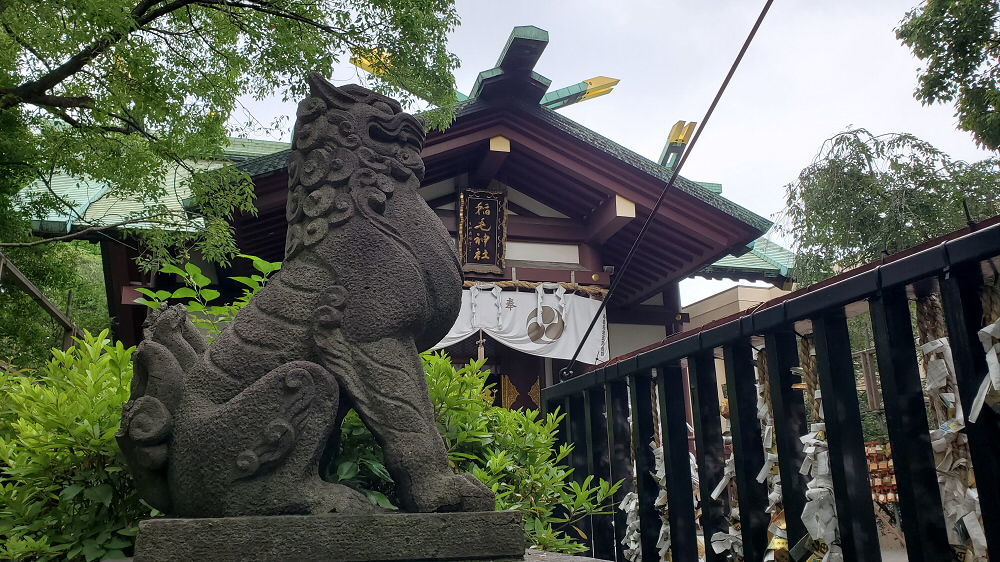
660,475
819,516
630,505
727,476
990,338
960,502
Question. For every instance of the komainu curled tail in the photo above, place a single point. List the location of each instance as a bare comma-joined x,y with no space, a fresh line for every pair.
241,426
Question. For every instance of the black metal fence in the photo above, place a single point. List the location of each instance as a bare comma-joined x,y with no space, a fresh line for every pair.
611,418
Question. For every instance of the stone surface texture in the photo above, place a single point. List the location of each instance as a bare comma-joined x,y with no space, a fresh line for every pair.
494,535
249,424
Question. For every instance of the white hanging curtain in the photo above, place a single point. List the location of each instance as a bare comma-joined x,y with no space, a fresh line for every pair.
548,322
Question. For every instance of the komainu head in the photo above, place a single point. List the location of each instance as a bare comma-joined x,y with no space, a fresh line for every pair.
351,149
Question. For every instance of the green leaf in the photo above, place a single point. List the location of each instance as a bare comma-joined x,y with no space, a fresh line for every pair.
195,306
184,292
100,494
148,292
347,470
209,294
149,303
379,499
91,551
172,269
70,492
201,280
192,269
116,543
252,283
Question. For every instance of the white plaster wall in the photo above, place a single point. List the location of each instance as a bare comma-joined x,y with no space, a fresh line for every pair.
540,251
624,338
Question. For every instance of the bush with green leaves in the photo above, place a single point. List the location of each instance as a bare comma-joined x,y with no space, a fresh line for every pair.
64,491
201,301
512,451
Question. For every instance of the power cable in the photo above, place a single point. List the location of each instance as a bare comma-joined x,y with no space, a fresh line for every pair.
567,371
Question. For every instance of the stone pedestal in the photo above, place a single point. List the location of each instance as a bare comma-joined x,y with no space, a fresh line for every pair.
496,535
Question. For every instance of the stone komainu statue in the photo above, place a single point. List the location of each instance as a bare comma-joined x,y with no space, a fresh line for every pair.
247,424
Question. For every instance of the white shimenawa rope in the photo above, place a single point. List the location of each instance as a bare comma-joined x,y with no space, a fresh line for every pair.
767,471
663,542
819,516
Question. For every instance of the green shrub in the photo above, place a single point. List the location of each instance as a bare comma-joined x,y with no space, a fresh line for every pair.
512,451
64,492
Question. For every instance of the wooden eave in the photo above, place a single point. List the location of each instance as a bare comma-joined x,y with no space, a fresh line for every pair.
550,162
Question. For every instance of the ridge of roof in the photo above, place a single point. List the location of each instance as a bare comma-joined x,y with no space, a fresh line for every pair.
246,148
648,166
275,161
265,164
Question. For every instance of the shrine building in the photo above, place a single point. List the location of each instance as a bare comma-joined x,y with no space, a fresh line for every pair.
543,212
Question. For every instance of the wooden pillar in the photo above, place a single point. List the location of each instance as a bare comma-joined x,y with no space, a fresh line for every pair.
121,272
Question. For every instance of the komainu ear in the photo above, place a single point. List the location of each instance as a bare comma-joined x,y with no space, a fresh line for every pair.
322,88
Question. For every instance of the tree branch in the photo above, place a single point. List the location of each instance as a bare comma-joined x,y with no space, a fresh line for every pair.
33,92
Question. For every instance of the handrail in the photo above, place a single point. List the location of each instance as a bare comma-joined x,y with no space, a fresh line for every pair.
628,384
799,305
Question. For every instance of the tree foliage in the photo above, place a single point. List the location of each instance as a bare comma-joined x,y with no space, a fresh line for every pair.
125,92
866,195
27,332
959,41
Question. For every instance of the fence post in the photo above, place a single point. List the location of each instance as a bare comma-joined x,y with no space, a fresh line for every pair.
748,448
580,458
963,313
620,448
848,463
603,531
789,426
677,463
708,441
906,416
641,387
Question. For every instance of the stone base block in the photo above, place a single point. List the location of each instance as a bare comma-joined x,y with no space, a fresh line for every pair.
392,536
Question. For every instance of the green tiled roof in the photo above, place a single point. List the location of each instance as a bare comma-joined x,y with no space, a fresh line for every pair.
766,261
245,149
91,201
646,165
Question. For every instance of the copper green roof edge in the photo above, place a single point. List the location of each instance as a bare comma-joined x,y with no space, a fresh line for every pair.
529,32
736,273
265,164
646,165
774,253
252,148
766,260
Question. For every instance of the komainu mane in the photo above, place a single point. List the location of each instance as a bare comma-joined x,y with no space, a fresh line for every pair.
247,424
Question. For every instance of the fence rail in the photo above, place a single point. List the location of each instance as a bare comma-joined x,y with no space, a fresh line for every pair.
649,389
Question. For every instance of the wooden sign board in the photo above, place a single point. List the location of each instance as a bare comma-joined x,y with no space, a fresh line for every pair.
482,230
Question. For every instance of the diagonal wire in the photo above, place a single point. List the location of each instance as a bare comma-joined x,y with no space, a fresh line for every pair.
568,369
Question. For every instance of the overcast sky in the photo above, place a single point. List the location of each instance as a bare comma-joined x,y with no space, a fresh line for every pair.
814,69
